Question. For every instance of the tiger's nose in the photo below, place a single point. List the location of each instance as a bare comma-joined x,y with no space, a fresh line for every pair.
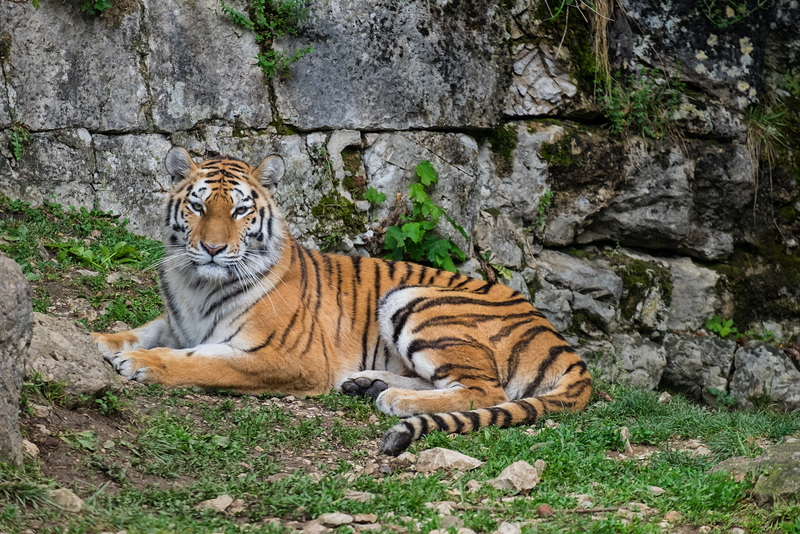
213,250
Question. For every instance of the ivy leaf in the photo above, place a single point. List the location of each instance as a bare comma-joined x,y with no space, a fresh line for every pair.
413,231
427,174
394,238
374,197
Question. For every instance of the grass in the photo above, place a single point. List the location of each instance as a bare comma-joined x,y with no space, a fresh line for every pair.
198,447
51,244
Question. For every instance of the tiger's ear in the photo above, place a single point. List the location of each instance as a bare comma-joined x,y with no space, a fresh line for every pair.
270,172
179,163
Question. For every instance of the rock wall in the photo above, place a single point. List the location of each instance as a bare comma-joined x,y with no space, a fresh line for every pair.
628,240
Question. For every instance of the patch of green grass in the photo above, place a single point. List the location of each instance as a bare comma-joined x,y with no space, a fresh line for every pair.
204,446
83,237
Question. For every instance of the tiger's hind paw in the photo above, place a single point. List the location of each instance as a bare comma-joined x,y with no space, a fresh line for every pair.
363,386
397,439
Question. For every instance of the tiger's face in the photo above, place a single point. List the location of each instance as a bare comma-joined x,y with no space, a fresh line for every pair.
222,220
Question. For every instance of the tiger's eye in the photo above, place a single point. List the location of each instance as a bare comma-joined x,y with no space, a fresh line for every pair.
241,210
196,206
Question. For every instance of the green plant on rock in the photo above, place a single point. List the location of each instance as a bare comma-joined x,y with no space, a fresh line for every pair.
95,7
642,105
20,137
543,207
722,327
725,13
271,20
415,239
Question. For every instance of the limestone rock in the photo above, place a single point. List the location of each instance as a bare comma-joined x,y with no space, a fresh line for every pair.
520,476
593,278
62,352
131,179
59,163
725,62
780,480
91,80
553,303
778,471
397,66
631,360
358,496
508,528
218,504
431,460
541,85
697,363
15,334
694,298
762,370
654,208
335,519
66,500
188,42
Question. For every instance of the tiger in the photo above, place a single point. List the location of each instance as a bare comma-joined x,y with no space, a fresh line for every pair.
250,309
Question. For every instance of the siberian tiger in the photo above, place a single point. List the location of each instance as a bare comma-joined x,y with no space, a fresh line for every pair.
250,309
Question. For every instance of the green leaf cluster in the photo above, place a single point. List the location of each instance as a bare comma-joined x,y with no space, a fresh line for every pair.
20,136
415,238
271,20
94,7
120,252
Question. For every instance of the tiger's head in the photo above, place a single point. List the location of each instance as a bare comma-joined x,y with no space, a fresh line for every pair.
222,221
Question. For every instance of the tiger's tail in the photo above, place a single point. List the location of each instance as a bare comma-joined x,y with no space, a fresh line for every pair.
572,393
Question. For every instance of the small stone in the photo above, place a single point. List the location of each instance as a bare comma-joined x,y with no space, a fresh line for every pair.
86,272
314,527
656,490
465,530
220,504
673,516
664,398
365,518
66,500
451,521
335,519
583,501
443,507
625,434
705,528
509,528
362,205
544,510
519,476
385,470
407,457
551,424
30,448
358,496
370,468
236,507
540,466
41,411
439,458
113,278
473,485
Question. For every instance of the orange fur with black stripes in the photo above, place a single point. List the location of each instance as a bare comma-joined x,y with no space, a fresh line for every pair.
250,309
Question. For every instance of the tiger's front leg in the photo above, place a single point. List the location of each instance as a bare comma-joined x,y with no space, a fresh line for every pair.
156,333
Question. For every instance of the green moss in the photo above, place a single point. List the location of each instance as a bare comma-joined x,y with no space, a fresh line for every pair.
788,214
336,217
353,182
281,127
503,140
577,38
534,286
5,46
638,276
580,254
764,284
558,153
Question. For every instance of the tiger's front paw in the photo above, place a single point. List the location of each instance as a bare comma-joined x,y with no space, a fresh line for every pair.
134,365
112,345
